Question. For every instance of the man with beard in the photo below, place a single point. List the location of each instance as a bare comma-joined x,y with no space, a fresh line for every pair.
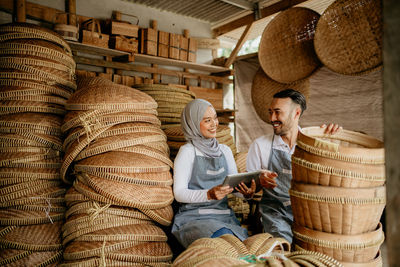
272,153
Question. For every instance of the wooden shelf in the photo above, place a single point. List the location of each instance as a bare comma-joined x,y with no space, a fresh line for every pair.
90,49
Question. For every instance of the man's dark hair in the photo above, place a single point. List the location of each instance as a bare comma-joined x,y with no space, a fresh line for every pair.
296,97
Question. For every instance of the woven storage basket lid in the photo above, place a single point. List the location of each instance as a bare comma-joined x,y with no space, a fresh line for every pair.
35,32
163,87
348,38
47,123
286,51
109,96
21,87
38,258
35,237
264,88
130,195
345,145
121,162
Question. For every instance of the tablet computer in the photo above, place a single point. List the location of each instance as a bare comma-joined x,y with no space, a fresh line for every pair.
234,180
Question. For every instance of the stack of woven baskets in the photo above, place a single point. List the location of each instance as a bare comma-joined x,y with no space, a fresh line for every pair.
36,78
171,101
257,250
117,158
176,139
338,195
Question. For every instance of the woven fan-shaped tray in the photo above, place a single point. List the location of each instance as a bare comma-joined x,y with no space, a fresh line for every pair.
34,258
112,96
286,51
163,87
131,195
348,38
264,88
20,217
162,216
121,162
348,248
312,169
345,145
35,32
336,209
39,237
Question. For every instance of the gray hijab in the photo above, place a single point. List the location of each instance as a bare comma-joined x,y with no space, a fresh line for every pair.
191,117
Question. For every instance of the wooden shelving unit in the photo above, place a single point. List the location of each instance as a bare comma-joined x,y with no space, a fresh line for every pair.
205,72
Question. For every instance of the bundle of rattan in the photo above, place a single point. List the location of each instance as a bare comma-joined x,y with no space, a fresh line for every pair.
118,160
176,139
171,101
338,194
36,78
257,250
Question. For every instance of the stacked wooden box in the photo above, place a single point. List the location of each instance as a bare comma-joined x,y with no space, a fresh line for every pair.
124,35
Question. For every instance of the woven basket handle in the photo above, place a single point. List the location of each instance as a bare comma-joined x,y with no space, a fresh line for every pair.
94,23
116,13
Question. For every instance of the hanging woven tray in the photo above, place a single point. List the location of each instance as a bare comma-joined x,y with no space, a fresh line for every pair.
312,169
286,51
348,248
339,210
345,145
348,38
263,89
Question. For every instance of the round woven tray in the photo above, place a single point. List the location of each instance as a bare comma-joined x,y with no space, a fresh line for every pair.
38,258
348,248
35,32
21,88
336,209
345,145
131,195
15,106
34,122
286,51
162,87
312,169
264,88
348,38
121,162
112,97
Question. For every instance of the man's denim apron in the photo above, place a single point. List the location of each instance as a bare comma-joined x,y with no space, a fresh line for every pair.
275,207
197,220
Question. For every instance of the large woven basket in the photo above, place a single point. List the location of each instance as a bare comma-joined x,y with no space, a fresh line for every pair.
359,248
263,89
337,210
286,51
313,169
348,38
345,145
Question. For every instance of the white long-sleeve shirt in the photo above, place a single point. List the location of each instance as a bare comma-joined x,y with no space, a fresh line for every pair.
183,167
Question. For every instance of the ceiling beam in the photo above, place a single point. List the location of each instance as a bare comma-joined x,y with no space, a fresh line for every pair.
239,45
248,19
239,3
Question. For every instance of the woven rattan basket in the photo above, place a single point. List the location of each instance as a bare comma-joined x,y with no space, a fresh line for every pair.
348,248
345,145
336,209
348,38
313,169
376,262
263,89
286,51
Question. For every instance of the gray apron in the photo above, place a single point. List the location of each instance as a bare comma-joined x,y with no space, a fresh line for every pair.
275,207
197,220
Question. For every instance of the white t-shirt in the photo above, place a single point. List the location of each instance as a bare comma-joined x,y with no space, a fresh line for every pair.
260,150
183,167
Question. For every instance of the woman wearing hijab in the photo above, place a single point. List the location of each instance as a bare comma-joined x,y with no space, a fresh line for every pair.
199,170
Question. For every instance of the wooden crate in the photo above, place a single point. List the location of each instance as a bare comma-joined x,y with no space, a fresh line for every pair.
117,78
162,50
192,50
183,48
163,44
148,41
214,96
163,37
124,44
91,34
128,80
174,42
122,28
